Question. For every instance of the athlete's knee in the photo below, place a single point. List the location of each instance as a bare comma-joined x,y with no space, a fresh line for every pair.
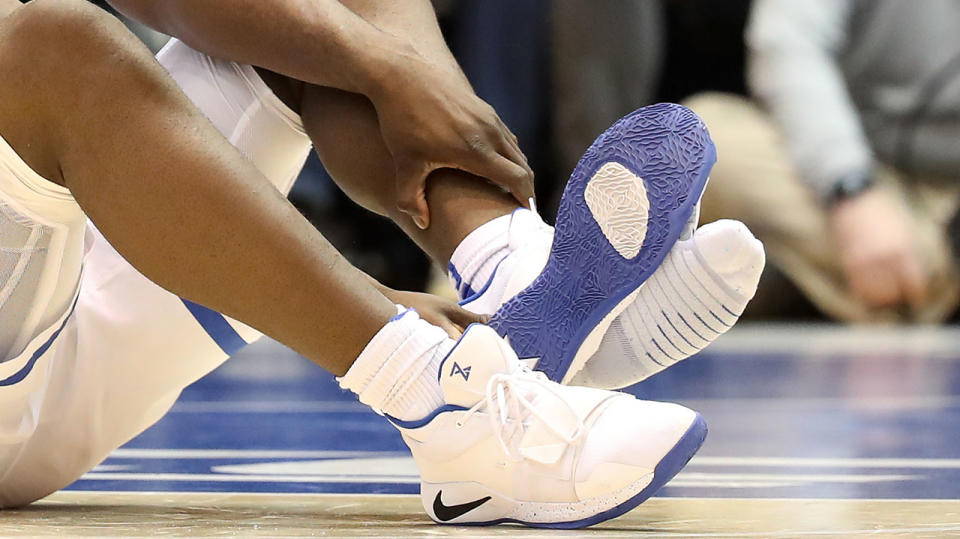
70,18
68,34
68,54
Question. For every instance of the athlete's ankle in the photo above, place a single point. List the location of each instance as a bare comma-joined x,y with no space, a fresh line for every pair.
396,374
477,256
480,255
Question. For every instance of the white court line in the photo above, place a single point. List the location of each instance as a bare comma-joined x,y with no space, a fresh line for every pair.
134,453
364,468
817,342
268,407
784,462
812,478
249,478
405,473
873,403
804,462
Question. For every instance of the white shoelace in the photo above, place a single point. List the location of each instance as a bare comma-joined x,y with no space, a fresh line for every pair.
507,408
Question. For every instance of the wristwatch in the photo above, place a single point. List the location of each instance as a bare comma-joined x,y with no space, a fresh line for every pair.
848,187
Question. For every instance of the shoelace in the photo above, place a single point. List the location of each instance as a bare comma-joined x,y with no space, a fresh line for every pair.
504,401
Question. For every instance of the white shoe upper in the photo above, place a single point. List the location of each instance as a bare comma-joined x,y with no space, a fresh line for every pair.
527,441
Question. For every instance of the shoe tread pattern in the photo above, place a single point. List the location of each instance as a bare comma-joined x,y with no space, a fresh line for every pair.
585,277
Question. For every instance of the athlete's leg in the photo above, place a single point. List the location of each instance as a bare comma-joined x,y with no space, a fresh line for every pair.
492,259
347,125
93,112
170,193
346,135
154,165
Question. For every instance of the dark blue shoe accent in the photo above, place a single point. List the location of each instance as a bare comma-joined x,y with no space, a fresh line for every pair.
585,277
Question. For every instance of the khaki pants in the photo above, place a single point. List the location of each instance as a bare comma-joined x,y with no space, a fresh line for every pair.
754,181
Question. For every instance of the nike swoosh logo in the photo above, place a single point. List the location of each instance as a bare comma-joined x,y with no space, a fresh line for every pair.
449,512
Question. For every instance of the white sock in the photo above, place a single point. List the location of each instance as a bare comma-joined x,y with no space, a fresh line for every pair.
476,258
480,269
397,372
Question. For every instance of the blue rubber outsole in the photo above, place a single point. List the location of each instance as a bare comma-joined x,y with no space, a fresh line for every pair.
585,277
669,466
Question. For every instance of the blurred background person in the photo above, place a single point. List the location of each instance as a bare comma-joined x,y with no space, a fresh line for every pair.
850,173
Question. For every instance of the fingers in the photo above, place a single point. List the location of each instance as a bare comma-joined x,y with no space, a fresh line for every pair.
451,317
516,179
510,148
438,317
411,192
462,317
877,286
890,283
453,331
913,281
411,181
495,155
513,153
512,143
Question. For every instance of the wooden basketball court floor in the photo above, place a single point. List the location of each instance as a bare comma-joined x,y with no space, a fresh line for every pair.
814,431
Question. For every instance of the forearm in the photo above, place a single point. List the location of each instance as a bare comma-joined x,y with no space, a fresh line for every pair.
316,41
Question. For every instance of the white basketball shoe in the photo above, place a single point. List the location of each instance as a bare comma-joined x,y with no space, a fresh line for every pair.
511,446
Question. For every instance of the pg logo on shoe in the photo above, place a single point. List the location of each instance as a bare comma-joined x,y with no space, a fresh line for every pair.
462,371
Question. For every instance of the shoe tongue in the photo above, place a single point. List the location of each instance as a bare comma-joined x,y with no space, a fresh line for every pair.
479,354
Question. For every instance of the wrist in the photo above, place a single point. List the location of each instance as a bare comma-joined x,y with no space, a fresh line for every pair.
380,63
848,187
